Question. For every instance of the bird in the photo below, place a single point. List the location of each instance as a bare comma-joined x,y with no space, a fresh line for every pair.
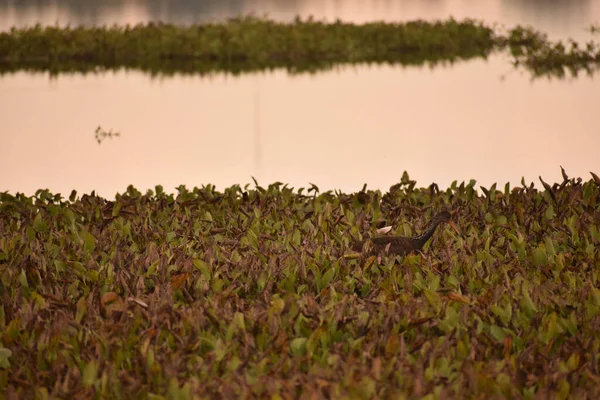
401,245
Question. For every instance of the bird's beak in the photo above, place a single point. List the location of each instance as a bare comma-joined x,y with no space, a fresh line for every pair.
453,225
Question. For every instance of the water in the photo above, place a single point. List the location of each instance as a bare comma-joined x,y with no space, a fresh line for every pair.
560,18
338,129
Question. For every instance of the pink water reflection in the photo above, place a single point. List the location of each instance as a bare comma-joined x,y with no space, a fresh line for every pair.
338,129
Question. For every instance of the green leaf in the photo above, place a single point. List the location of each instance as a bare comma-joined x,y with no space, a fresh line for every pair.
80,270
549,246
539,257
233,363
326,278
433,299
220,350
174,392
89,242
90,372
171,236
60,266
238,318
30,232
298,346
203,267
497,332
4,357
81,310
527,304
501,220
23,279
262,280
39,225
451,321
296,237
367,387
217,285
549,214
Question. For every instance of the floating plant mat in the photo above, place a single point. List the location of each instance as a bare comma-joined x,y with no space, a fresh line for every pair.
253,44
254,291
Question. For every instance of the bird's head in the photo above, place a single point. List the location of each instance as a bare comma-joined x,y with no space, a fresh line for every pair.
444,217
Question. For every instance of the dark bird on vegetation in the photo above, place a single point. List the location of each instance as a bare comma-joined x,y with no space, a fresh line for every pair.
401,245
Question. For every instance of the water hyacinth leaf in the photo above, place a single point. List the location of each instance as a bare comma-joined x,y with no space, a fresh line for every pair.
236,257
497,332
89,242
391,346
549,214
23,279
590,249
217,285
5,355
527,304
150,357
573,362
238,318
210,313
298,346
539,256
550,250
234,363
81,310
327,278
171,236
60,266
203,267
78,268
116,209
433,299
451,321
220,349
367,387
175,392
262,280
296,237
90,373
39,224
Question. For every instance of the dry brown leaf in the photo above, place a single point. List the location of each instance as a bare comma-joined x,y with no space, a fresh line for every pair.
177,281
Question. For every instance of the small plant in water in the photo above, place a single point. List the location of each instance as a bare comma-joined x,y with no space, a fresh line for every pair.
101,134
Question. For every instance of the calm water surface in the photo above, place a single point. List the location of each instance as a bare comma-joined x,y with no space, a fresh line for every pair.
337,129
560,18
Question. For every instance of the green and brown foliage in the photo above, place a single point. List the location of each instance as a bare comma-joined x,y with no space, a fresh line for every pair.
242,45
254,44
253,292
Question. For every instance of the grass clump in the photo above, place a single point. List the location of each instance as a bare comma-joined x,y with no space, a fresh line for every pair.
250,292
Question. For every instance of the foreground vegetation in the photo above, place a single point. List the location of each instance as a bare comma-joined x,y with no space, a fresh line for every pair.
251,44
254,292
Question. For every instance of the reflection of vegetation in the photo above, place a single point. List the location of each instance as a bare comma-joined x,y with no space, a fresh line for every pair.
250,291
101,134
543,58
250,44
